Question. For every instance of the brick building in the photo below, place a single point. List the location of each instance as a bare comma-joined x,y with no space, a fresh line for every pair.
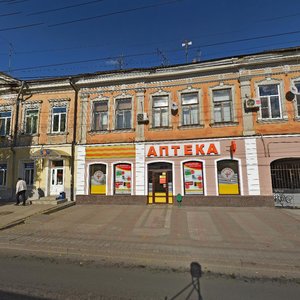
227,127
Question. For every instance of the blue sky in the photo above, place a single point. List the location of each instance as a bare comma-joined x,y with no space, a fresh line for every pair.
41,38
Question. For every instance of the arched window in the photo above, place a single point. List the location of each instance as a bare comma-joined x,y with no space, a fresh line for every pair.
285,175
98,179
193,178
228,177
122,182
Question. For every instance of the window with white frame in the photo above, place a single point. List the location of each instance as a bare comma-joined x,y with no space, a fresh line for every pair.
100,115
59,118
222,103
5,120
123,113
3,174
31,121
29,173
190,108
270,101
160,111
297,85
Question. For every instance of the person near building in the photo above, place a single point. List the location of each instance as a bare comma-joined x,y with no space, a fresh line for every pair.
21,191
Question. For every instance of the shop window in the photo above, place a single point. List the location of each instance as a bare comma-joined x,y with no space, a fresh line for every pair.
122,180
59,117
270,101
222,103
123,113
3,174
100,115
5,120
190,108
31,121
193,178
29,173
228,177
98,179
160,111
285,174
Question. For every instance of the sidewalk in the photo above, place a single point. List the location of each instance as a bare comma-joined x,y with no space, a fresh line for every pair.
12,215
249,241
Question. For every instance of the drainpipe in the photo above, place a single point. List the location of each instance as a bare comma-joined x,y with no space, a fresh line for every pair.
74,138
15,134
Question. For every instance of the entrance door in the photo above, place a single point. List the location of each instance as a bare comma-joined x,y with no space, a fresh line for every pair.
56,177
160,189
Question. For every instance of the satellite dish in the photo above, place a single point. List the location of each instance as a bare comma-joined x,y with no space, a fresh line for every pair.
294,90
174,106
290,96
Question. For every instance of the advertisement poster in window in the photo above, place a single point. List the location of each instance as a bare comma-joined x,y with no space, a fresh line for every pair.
123,179
193,178
98,182
228,181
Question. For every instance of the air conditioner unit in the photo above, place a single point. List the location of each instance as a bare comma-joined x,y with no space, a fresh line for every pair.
252,103
142,118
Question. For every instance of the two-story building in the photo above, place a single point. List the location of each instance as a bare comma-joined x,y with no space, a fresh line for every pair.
226,127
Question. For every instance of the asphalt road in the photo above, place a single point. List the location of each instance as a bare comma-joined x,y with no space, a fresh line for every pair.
35,278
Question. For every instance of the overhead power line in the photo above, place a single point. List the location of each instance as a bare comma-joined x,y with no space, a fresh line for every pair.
63,8
21,26
115,13
154,52
10,14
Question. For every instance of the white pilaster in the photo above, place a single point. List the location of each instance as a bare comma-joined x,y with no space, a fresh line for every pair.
80,176
140,169
252,167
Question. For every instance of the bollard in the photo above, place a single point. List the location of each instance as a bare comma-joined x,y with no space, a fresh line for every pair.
179,199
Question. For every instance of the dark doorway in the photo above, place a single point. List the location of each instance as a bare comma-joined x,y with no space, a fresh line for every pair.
160,185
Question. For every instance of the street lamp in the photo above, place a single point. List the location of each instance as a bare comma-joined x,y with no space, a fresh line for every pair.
186,45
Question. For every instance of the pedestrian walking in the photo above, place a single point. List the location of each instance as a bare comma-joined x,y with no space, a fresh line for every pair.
21,191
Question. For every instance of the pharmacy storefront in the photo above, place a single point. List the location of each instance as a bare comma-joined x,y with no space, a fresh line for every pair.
190,169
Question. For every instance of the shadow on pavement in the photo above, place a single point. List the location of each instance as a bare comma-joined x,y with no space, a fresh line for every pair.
17,296
194,286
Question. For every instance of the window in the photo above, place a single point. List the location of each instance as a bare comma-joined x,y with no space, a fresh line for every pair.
228,177
160,111
123,113
270,101
59,116
100,115
98,179
123,179
29,173
222,102
3,174
5,119
193,178
190,109
285,174
31,121
297,84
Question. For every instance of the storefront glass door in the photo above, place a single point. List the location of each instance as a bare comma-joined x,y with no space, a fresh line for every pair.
160,188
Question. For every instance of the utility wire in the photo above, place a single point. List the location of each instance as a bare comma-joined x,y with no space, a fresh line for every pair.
21,26
114,13
10,14
63,8
154,53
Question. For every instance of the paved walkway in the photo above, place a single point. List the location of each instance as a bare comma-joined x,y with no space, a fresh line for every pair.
11,214
246,241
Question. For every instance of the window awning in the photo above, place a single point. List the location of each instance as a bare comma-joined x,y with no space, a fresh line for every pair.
49,154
